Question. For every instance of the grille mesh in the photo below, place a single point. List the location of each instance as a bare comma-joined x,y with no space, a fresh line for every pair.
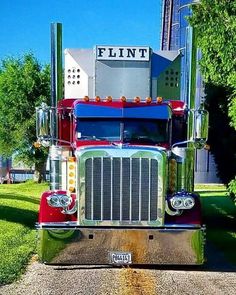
121,189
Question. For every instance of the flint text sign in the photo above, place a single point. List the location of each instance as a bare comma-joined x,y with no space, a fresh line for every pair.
133,53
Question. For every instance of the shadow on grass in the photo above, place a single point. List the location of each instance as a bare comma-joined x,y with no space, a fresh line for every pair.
8,196
22,216
219,215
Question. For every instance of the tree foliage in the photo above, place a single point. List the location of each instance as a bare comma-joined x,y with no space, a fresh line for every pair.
215,24
24,84
215,27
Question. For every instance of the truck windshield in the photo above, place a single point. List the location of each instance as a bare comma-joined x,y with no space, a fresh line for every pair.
126,130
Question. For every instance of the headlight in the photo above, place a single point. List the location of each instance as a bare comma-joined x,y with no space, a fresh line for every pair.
177,202
53,201
182,201
189,202
58,201
65,200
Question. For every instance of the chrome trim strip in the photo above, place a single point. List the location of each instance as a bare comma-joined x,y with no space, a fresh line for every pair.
186,226
130,190
74,224
140,190
111,188
92,197
149,190
56,224
102,197
121,186
124,147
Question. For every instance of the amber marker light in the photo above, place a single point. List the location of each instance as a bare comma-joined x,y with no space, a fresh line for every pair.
123,99
97,99
71,172
71,159
86,98
71,189
137,99
37,145
159,99
148,100
108,99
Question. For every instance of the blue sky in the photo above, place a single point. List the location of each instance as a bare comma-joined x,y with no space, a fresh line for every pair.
25,24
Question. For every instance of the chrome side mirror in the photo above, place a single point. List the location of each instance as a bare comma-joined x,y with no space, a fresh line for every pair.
44,116
200,128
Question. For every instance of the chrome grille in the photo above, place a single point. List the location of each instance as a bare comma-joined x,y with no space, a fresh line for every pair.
121,189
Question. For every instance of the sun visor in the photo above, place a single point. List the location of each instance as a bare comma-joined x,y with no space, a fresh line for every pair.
83,110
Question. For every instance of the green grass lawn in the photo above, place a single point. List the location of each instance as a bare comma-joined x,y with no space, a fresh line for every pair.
219,215
18,213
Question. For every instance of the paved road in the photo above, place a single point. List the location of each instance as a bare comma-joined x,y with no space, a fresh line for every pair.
216,277
100,280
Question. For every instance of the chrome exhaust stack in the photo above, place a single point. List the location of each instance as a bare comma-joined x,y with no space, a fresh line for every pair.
46,116
56,74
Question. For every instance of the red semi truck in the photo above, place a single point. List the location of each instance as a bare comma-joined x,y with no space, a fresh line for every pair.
121,179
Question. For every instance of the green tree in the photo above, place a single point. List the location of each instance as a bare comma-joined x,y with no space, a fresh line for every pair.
215,27
24,84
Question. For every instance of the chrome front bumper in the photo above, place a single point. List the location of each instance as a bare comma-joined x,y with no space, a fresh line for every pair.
76,245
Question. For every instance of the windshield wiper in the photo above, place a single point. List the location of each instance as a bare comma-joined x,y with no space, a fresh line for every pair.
90,137
141,139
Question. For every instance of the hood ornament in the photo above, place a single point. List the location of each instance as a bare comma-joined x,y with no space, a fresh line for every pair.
120,144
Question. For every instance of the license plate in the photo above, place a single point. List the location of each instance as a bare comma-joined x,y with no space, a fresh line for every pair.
120,258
